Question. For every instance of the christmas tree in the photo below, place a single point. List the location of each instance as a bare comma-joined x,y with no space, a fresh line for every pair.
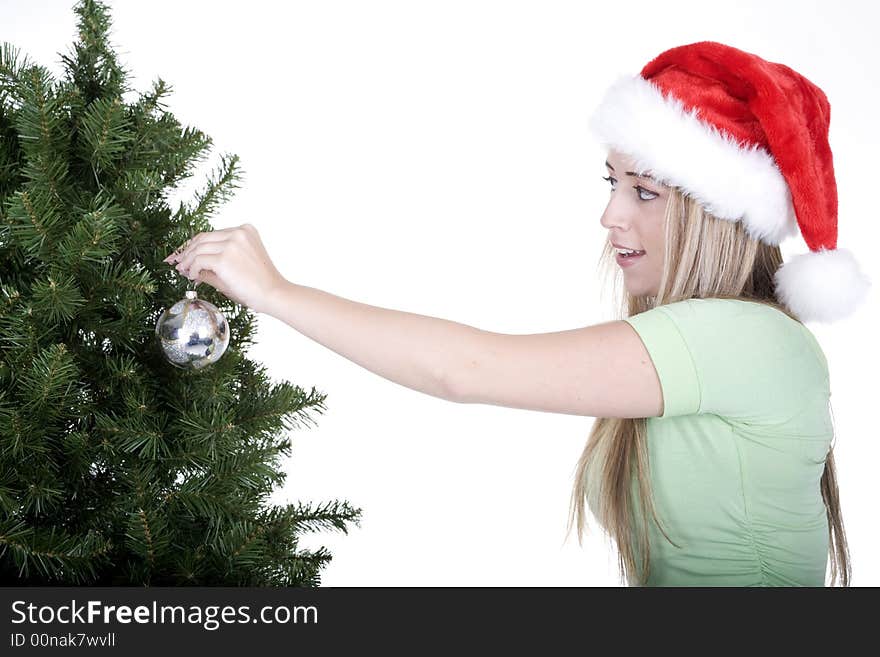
117,468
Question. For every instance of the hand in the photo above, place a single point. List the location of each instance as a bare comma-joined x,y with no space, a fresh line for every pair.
234,261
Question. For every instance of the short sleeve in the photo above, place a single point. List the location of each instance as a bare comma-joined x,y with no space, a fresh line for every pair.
745,361
672,360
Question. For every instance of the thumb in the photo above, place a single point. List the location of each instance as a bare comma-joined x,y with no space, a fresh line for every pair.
209,277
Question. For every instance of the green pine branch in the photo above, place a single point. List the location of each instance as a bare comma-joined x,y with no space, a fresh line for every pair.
115,468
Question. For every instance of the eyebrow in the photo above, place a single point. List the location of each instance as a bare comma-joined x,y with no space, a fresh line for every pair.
631,173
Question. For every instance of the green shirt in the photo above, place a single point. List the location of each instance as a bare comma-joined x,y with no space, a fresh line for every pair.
737,456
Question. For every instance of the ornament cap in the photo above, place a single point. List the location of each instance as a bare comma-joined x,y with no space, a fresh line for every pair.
192,294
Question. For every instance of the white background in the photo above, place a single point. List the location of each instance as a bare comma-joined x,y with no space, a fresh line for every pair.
434,157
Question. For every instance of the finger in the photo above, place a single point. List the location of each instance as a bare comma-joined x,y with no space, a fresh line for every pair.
195,240
172,257
177,254
185,263
222,235
205,261
209,277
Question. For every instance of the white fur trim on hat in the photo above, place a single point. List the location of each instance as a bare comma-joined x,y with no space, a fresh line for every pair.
821,286
732,181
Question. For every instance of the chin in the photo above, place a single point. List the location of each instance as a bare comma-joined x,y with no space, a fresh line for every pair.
636,290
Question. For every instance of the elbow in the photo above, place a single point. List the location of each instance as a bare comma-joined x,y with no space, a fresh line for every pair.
460,371
464,376
449,388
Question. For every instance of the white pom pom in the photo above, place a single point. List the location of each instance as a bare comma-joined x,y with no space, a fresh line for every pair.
822,286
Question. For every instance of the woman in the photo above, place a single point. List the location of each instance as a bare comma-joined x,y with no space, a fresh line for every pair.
710,462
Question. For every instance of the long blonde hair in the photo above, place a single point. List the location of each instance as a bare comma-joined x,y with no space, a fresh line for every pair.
704,257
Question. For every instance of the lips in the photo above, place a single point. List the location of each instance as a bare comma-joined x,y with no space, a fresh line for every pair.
624,246
626,261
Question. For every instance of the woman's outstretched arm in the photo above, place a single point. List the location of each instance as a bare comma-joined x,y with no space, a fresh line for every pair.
409,349
600,371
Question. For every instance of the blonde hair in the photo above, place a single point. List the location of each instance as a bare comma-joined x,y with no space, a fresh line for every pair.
704,257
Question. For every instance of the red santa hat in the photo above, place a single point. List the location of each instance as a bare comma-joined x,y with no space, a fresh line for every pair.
748,139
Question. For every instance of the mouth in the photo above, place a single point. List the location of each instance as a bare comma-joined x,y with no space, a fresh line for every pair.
626,257
629,253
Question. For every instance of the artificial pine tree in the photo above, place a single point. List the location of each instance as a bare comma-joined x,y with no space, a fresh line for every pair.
115,467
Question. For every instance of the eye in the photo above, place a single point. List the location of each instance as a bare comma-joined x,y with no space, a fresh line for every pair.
641,190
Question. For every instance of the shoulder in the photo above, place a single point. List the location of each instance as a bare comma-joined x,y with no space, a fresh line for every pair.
729,356
750,326
724,307
716,316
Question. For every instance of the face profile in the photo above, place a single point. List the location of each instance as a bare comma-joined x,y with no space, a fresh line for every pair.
634,219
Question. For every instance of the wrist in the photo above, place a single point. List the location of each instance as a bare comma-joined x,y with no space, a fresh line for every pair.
275,298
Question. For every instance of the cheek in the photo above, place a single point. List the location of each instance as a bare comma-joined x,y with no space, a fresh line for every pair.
656,235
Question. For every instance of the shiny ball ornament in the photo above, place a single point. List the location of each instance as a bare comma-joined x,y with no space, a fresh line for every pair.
192,333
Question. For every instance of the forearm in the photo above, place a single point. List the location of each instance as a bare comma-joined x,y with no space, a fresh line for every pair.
412,350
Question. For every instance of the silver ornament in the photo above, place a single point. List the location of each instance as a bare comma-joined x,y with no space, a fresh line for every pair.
192,333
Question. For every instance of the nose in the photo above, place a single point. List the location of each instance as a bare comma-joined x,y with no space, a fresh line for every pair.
615,215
